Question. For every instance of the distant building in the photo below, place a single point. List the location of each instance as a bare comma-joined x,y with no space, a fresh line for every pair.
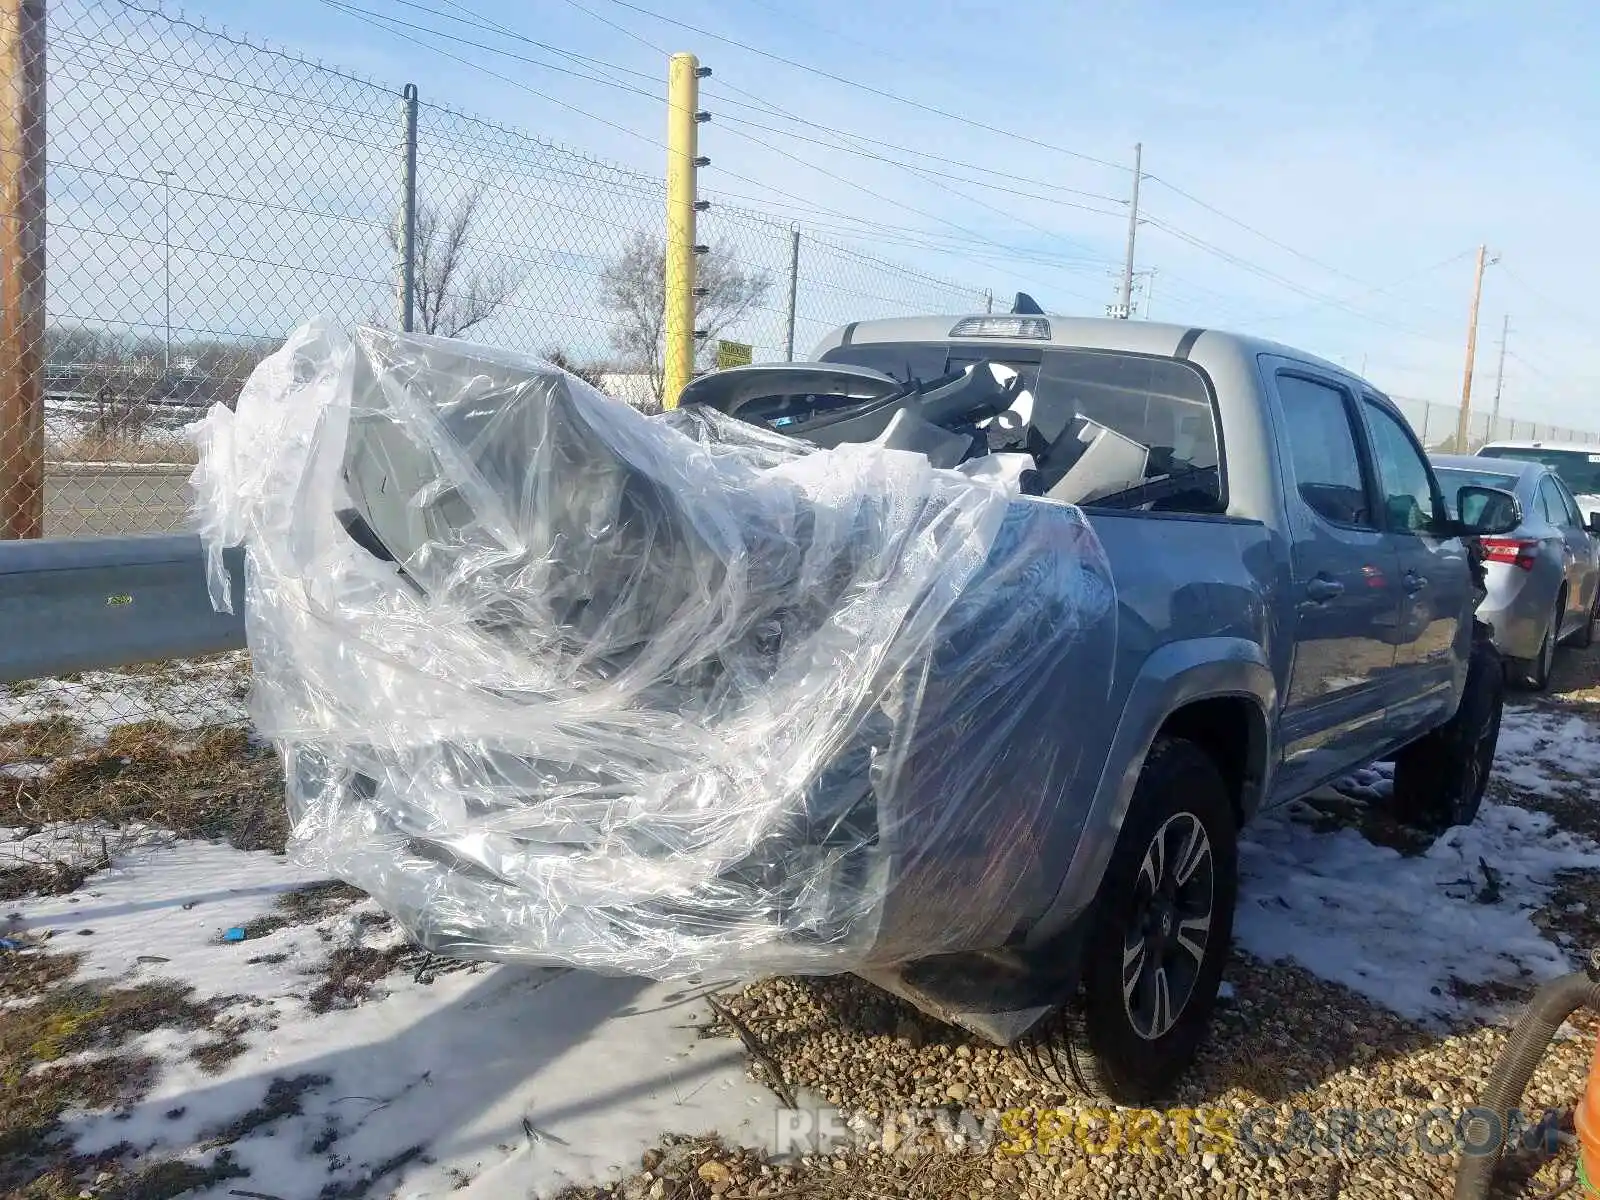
631,387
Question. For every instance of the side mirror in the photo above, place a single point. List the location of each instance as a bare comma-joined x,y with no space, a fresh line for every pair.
1487,512
1594,523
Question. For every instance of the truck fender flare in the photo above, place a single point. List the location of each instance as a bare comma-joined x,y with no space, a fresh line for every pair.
1175,675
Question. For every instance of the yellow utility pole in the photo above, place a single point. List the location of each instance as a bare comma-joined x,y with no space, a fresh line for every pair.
683,136
1464,420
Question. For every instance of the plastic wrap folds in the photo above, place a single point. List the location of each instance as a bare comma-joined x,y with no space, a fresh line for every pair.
555,681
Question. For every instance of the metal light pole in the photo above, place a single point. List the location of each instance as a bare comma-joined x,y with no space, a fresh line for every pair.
1125,297
166,268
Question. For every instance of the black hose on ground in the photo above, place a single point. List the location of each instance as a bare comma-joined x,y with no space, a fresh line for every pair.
1530,1038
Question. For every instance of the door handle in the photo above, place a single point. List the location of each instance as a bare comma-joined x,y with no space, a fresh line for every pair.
1414,583
1322,589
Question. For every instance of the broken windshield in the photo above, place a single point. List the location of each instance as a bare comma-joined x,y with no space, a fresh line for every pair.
1106,429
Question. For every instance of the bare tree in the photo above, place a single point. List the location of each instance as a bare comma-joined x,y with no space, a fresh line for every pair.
634,288
452,295
592,373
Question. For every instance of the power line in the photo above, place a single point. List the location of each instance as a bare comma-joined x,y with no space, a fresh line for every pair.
1559,311
477,21
1284,282
954,116
867,87
394,22
927,172
860,187
371,18
622,29
381,22
923,171
386,23
1266,237
1388,287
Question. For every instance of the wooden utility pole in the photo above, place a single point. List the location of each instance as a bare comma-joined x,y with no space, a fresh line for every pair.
22,215
1462,422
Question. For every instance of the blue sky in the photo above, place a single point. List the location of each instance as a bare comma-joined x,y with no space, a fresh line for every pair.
1375,145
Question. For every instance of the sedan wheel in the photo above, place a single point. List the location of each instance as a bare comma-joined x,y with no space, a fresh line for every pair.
1534,673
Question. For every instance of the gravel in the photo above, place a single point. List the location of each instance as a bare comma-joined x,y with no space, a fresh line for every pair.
1283,1040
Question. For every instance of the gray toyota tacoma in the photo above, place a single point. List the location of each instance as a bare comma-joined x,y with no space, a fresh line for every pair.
1293,600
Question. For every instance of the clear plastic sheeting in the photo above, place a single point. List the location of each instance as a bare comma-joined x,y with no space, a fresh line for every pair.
558,682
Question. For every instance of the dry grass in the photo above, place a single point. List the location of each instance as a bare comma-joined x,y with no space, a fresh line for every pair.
51,877
51,737
209,783
350,975
152,449
67,1049
1285,1039
304,906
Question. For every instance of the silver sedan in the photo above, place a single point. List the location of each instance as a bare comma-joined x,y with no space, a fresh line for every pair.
1544,576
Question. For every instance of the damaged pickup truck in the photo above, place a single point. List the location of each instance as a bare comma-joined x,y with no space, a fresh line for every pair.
956,657
1292,601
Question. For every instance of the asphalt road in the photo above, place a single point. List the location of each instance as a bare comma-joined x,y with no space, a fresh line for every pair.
103,500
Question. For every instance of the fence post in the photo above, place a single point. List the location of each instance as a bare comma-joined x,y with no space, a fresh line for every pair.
408,209
22,265
683,135
794,288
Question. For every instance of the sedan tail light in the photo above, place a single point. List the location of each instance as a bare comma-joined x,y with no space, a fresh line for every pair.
1517,552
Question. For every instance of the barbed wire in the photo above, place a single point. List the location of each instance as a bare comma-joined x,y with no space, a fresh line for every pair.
207,192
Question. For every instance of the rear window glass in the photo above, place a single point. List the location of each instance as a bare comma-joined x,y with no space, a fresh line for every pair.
1453,479
1580,471
1105,429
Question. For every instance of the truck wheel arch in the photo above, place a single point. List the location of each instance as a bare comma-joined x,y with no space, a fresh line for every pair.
1217,691
1232,730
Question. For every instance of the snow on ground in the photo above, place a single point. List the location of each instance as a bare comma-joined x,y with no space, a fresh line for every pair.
508,1081
1400,929
191,694
505,1081
1542,751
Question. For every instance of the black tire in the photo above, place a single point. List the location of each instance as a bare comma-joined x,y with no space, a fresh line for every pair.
1102,1044
1439,779
1533,674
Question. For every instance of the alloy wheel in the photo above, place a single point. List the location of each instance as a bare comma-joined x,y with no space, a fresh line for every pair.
1165,944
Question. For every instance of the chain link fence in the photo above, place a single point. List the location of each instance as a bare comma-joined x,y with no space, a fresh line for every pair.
206,193
1436,425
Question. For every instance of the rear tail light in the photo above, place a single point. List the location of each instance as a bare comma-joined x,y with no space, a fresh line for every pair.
1516,552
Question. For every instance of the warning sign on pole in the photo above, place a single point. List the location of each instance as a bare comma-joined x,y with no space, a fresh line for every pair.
732,354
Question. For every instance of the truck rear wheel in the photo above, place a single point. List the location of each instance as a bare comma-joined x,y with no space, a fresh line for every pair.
1158,935
1440,779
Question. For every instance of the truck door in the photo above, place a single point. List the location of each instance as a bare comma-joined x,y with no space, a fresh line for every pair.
1345,595
1435,581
